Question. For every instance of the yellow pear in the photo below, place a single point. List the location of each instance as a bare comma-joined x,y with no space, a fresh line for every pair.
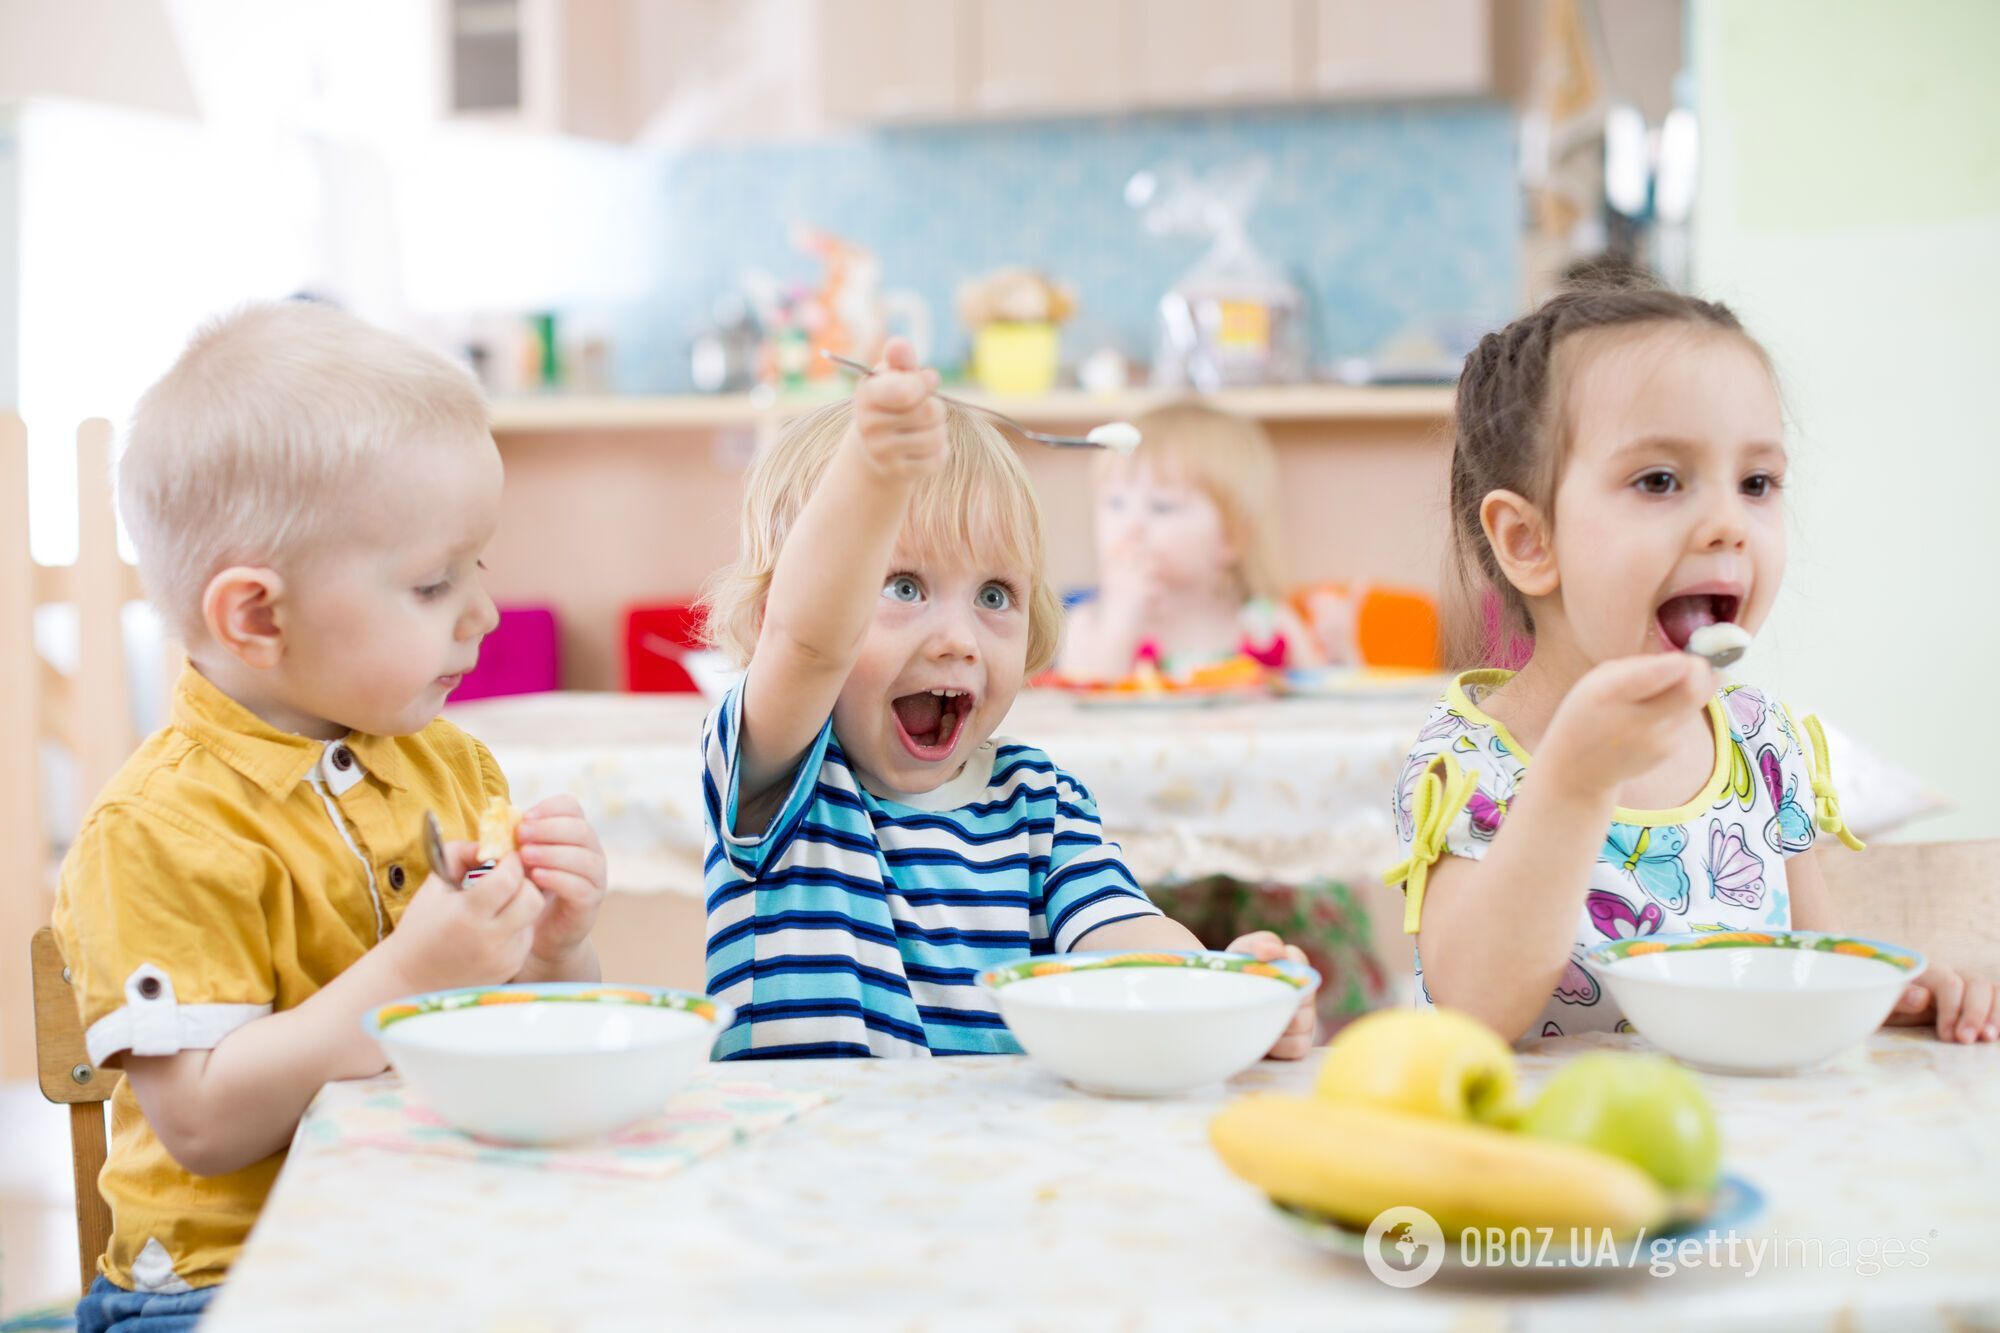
1422,1062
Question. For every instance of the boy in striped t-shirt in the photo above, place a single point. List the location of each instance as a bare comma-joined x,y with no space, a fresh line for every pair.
871,845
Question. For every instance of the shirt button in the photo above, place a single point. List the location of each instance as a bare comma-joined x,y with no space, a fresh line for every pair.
149,988
343,758
396,878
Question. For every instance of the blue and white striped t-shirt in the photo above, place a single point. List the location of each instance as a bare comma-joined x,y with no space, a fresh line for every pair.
857,926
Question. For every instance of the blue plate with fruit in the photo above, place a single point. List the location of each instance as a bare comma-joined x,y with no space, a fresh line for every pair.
1418,1150
1517,1250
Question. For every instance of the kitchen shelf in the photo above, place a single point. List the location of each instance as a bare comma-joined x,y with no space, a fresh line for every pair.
564,414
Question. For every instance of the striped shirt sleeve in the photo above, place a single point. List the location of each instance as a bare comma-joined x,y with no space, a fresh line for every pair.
743,857
1088,884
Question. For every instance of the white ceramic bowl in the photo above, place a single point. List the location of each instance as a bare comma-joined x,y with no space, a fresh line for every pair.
1754,1002
558,1062
1147,1024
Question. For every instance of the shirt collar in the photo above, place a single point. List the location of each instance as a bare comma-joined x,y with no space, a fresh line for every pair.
961,789
274,760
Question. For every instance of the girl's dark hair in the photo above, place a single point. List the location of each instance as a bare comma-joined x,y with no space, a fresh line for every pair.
1509,437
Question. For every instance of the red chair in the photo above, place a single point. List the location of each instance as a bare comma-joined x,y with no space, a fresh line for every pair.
655,639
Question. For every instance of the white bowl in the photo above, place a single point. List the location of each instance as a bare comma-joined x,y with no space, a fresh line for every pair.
1147,1024
1755,1002
552,1063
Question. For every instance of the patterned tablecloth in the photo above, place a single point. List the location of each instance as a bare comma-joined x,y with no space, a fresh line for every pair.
1290,791
982,1193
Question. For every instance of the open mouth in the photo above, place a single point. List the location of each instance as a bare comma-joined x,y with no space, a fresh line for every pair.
1680,617
931,721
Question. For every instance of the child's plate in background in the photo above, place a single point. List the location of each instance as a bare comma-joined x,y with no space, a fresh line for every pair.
1178,697
1362,683
1233,680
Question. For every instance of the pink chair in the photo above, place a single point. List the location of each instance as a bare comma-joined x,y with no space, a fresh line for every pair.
523,655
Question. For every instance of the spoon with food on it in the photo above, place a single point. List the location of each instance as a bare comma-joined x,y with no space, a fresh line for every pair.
499,834
1703,622
1721,643
1118,436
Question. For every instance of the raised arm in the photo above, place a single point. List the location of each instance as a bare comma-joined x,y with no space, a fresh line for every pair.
829,575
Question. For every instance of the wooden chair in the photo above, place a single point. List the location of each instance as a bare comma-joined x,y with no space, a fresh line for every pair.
85,713
69,1078
1942,898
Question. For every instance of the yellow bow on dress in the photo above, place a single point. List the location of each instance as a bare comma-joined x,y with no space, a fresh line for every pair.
1820,765
1435,803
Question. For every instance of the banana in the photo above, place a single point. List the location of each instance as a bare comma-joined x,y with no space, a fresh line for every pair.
1352,1161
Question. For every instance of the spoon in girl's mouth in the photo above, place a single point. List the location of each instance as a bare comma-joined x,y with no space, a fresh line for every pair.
1721,643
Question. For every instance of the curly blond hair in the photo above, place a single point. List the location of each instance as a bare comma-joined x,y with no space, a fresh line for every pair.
980,501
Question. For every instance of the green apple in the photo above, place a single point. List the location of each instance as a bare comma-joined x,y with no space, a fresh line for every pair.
1424,1062
1643,1108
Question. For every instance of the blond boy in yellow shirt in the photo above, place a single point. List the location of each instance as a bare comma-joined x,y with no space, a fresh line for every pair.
309,498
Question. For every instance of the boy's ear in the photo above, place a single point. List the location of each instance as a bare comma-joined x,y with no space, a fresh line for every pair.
1519,534
240,609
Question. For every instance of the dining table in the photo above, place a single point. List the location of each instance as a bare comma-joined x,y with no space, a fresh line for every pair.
984,1193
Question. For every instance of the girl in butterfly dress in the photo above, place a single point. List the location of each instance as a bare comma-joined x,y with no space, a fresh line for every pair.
1617,480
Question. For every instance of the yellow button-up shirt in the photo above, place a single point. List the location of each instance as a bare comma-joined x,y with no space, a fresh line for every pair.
229,870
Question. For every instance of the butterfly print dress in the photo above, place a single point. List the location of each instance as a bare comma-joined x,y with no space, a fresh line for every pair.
1716,863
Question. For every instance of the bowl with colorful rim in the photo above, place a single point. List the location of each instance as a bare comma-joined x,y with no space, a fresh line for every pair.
1147,1023
549,1062
1754,1001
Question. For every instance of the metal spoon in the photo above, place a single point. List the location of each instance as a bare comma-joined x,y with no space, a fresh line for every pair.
434,847
1722,643
1057,441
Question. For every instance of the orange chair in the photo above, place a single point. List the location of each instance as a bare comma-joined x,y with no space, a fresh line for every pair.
1371,625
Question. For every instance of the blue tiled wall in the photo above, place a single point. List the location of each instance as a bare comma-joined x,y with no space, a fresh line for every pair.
1393,216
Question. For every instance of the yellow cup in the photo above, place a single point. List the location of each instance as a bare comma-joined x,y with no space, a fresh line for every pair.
1017,360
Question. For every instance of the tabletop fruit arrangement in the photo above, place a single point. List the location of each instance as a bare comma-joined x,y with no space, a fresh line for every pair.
1422,1109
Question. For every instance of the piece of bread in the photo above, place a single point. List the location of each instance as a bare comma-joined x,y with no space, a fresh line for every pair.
499,830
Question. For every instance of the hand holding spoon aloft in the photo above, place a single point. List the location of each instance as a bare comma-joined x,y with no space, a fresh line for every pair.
1118,436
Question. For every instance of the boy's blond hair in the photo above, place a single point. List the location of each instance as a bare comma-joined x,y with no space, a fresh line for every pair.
245,452
1231,460
980,501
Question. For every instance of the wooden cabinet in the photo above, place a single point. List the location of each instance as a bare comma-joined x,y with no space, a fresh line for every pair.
890,60
887,60
1047,57
606,68
553,66
1199,52
1411,48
